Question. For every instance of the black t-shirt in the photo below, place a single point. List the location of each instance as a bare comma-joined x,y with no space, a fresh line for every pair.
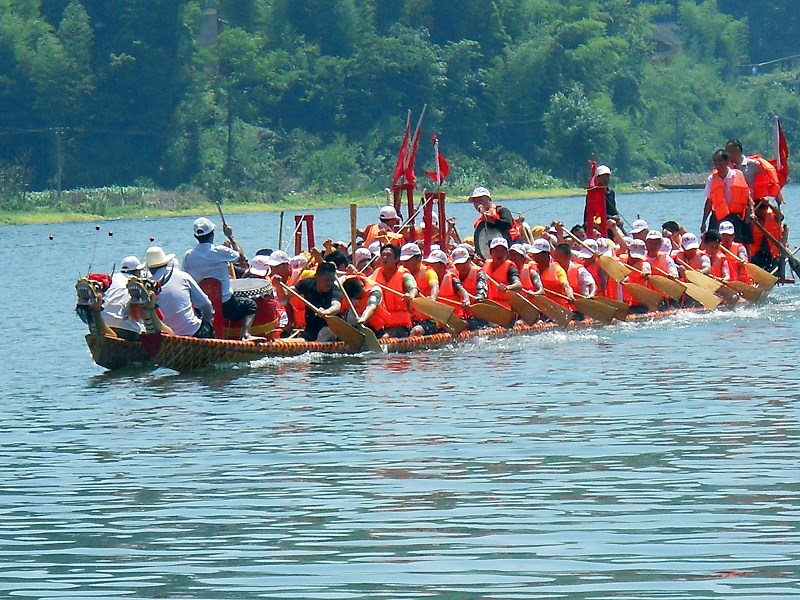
308,289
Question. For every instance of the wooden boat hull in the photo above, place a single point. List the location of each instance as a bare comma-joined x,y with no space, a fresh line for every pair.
181,353
116,353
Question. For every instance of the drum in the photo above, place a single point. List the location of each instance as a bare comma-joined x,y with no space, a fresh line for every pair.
484,234
260,290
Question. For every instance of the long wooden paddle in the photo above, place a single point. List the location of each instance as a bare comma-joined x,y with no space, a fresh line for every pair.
487,310
750,292
589,307
793,261
763,278
620,308
704,296
614,269
527,311
665,285
346,332
643,294
700,279
371,343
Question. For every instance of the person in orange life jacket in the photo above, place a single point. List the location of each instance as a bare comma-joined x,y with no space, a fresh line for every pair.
502,271
761,176
692,255
385,230
449,284
321,291
672,231
588,258
363,262
639,229
637,258
280,271
654,242
370,309
494,215
603,175
763,252
393,275
727,194
528,275
473,281
738,272
578,276
553,276
720,268
427,284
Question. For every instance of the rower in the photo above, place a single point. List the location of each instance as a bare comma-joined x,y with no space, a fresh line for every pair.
637,258
320,291
367,297
473,281
692,255
720,268
427,284
553,275
639,229
385,231
738,272
500,269
450,287
580,279
393,275
528,275
763,252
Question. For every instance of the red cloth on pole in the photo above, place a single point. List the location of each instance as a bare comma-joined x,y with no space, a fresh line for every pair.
781,162
442,168
399,168
596,215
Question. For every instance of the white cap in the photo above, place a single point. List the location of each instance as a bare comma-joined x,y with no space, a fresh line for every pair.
279,257
155,257
654,235
604,247
666,245
459,255
437,256
540,245
130,264
259,265
375,247
590,251
638,249
361,254
689,241
518,248
468,247
409,250
726,227
479,192
298,261
639,225
203,226
388,213
603,170
627,239
498,241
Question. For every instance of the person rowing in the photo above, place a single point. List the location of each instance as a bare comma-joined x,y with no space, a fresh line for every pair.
322,292
553,276
473,281
427,286
393,275
502,275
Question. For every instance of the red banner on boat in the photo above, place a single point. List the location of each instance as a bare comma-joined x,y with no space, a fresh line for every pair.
781,161
595,212
442,168
400,167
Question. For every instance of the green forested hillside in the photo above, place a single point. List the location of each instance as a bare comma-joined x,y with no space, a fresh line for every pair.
258,98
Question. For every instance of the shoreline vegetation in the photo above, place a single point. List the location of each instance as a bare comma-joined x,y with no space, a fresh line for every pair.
110,203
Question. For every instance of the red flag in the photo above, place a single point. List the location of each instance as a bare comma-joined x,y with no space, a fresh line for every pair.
400,167
442,168
782,161
412,155
596,211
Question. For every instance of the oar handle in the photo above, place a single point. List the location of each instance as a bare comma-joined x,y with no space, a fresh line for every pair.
349,302
219,210
737,257
286,288
577,239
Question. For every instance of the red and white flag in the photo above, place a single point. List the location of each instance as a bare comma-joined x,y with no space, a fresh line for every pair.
400,167
442,168
593,177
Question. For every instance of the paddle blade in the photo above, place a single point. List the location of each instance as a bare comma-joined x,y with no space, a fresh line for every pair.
596,310
621,308
644,295
526,311
346,332
763,278
552,310
673,289
433,309
749,292
705,297
493,312
371,343
455,325
616,270
702,280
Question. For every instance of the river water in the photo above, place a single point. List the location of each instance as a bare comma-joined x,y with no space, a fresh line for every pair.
650,460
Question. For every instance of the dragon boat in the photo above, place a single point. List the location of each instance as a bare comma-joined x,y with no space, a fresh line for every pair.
158,347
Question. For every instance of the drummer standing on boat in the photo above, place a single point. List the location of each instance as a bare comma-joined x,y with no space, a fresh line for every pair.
493,217
207,261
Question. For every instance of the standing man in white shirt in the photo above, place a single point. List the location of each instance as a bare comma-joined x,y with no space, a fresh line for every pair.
209,261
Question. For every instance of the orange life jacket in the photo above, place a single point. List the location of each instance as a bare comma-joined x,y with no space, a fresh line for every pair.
766,181
633,277
494,212
774,227
424,288
739,191
738,272
298,308
384,236
525,276
470,282
378,319
395,305
448,291
551,281
717,262
500,274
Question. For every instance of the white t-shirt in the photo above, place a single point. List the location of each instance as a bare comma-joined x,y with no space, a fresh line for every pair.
209,261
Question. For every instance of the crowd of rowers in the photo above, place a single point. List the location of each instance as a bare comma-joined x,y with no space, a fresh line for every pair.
375,285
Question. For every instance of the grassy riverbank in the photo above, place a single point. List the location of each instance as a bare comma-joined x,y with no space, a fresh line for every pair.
130,203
